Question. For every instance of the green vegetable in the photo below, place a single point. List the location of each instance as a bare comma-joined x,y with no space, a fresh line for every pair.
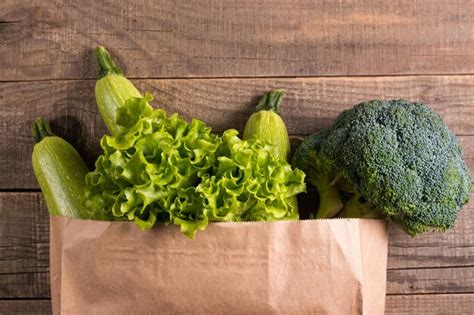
320,174
165,169
267,125
393,159
111,90
159,168
142,171
60,172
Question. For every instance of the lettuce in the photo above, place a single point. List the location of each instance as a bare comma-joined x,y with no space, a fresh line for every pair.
164,169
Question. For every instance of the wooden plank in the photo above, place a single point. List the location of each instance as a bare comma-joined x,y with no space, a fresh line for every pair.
433,304
49,39
25,285
431,280
24,233
25,306
310,104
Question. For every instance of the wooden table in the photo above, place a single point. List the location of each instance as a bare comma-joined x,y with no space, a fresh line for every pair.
210,60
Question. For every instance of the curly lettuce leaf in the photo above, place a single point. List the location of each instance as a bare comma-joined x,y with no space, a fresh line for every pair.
249,184
145,169
164,169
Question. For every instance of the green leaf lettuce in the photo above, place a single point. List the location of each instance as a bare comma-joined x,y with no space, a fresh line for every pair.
165,169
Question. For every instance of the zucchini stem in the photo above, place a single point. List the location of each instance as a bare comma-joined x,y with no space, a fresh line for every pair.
105,63
270,101
41,129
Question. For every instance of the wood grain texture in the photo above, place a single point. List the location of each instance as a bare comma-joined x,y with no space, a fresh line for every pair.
432,304
49,39
24,233
38,307
25,285
430,280
309,105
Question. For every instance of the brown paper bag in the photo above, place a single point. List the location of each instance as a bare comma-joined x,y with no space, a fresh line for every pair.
335,266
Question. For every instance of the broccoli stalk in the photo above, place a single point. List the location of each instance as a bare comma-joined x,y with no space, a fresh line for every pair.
330,202
356,207
319,175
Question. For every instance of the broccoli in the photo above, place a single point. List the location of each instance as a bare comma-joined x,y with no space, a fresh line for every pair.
392,159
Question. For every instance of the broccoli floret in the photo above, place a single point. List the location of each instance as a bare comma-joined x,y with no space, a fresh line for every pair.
396,159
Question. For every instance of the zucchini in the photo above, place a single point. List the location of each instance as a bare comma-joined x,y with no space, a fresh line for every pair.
60,172
111,90
267,125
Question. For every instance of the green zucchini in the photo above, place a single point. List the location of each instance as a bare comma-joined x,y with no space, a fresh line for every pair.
267,125
60,172
111,90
